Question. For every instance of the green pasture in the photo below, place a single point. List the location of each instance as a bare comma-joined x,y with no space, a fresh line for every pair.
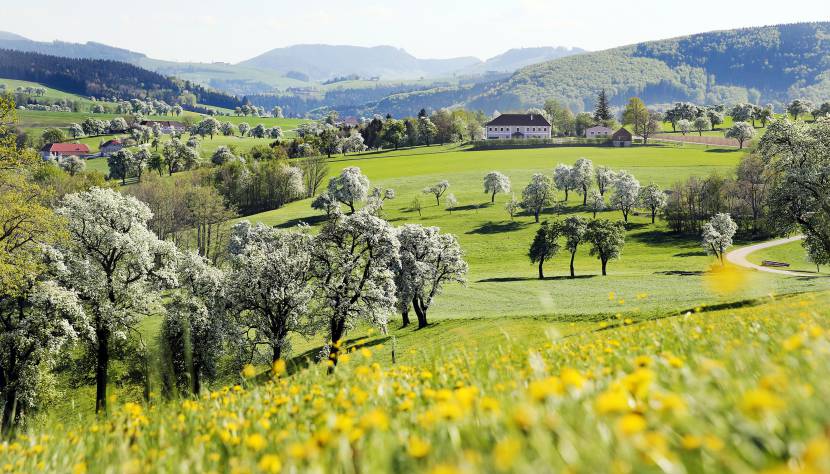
792,253
658,271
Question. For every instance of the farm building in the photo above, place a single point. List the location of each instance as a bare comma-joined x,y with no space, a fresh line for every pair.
111,146
58,151
517,127
622,137
167,126
598,132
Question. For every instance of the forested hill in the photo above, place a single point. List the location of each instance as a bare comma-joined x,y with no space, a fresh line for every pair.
105,78
760,65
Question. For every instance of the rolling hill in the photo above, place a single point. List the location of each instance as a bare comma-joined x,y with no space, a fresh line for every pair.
517,58
763,65
760,65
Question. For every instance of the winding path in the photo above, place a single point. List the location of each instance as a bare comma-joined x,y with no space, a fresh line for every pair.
738,257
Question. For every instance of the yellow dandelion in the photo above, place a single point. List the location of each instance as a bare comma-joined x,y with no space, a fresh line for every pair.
248,371
631,423
541,389
376,419
572,378
270,463
759,401
612,401
255,442
278,368
417,447
505,453
793,342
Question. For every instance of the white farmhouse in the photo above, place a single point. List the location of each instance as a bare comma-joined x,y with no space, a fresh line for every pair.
517,127
598,132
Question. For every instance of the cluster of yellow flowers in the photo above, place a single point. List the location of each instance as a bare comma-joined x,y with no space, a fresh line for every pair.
739,390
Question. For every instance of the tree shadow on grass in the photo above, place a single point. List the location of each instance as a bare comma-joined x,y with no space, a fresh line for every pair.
656,237
310,220
514,279
680,273
699,253
722,150
471,207
309,357
498,227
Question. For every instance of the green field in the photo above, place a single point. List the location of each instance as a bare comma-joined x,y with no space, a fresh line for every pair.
792,253
501,282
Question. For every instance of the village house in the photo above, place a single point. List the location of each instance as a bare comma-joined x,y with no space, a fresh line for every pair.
598,132
517,127
59,151
622,137
111,146
167,126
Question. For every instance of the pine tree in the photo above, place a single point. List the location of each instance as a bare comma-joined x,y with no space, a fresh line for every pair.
603,111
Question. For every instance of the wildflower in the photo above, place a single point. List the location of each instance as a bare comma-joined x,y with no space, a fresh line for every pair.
366,353
631,423
691,442
523,416
79,468
270,463
505,453
572,378
758,401
793,342
542,389
255,442
489,404
642,361
375,419
444,469
297,450
278,368
417,447
248,371
612,401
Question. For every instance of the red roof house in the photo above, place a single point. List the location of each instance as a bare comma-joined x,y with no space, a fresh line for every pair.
59,150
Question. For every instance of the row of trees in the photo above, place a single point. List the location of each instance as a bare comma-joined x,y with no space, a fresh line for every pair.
605,237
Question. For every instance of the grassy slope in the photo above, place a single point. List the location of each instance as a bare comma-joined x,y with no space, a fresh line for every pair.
738,390
792,253
501,281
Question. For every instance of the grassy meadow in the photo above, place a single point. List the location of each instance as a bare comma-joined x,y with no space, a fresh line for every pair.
502,282
739,390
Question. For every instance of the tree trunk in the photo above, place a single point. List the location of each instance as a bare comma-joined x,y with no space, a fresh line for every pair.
625,216
584,195
653,212
420,312
573,254
405,317
101,365
493,198
9,409
536,215
566,194
604,263
541,271
337,329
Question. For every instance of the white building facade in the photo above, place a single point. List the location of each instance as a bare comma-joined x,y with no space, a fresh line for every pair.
518,127
598,132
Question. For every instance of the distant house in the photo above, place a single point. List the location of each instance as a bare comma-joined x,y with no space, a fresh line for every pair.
622,137
59,151
111,146
598,132
348,122
517,127
167,126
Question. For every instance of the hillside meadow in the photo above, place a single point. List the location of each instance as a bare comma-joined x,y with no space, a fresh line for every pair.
670,269
738,390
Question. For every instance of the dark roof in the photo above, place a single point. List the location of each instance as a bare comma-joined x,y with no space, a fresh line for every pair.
521,120
114,141
622,135
66,148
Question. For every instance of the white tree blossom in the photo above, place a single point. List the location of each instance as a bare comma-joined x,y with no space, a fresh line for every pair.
653,198
537,195
117,266
438,189
512,206
269,285
428,260
596,202
626,193
350,187
605,179
195,327
717,235
582,175
352,262
562,178
496,182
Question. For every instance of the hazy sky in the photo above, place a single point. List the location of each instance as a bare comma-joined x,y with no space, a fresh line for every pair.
221,30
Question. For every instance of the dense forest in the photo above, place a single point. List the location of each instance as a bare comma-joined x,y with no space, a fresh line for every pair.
104,78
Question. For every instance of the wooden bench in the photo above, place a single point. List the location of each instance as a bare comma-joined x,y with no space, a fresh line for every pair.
771,263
